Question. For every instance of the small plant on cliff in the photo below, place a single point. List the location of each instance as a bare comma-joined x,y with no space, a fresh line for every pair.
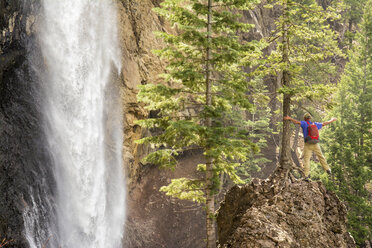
204,90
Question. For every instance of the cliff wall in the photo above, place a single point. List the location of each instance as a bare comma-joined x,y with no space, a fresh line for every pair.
22,157
137,24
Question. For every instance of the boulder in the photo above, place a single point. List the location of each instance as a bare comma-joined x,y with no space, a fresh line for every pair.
298,214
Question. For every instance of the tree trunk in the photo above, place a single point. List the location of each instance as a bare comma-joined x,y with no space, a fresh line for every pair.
211,228
210,220
286,134
294,149
350,31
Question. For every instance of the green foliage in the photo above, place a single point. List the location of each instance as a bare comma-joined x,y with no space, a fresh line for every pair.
258,130
354,11
351,17
304,28
304,50
181,101
185,189
349,142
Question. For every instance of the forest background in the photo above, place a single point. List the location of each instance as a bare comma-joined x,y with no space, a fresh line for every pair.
215,97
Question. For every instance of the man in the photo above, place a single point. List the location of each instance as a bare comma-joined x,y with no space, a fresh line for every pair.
309,146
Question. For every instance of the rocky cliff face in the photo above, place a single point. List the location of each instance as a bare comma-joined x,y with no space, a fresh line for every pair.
300,214
13,25
22,156
137,24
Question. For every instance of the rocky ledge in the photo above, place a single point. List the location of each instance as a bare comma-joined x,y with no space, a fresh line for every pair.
298,214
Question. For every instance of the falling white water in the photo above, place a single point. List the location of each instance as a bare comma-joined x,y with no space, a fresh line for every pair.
78,40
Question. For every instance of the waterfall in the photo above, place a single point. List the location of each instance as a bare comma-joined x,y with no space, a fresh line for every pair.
82,117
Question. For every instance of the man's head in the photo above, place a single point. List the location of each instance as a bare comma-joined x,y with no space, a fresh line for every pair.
307,116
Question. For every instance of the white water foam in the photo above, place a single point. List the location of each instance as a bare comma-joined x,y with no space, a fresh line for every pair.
79,44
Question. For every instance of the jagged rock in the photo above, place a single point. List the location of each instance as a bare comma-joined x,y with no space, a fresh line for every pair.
298,214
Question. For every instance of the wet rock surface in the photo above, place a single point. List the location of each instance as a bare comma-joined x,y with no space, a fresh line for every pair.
23,160
266,213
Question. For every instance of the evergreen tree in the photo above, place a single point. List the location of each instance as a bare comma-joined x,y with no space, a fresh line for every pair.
353,16
257,123
349,142
302,60
204,91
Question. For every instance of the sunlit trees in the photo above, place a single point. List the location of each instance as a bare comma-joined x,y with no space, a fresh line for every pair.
204,90
305,46
349,142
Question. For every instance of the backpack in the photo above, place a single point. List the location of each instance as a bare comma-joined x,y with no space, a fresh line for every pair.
312,134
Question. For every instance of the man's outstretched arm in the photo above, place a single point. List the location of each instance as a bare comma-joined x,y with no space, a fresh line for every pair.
292,120
330,121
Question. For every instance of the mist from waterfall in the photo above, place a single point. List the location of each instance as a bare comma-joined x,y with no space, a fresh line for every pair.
82,117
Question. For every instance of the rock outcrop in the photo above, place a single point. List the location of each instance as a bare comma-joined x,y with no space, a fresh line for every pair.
269,214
